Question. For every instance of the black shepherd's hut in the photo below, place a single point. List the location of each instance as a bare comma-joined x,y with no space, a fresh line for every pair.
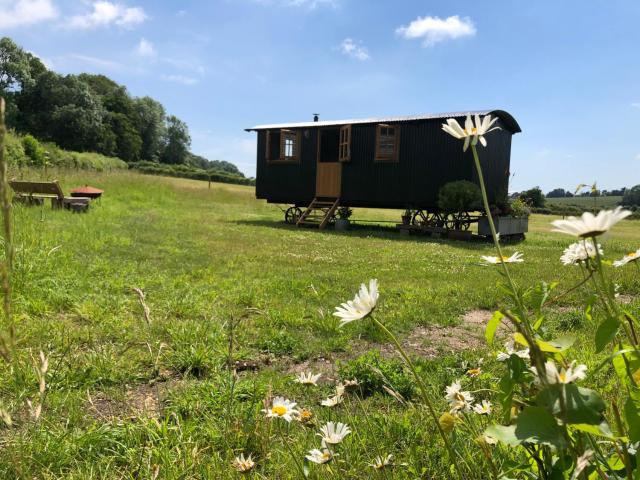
390,162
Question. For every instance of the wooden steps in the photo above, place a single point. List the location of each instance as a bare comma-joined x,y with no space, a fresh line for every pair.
318,213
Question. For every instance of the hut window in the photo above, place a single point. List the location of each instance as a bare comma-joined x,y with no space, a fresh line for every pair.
387,143
344,149
283,146
289,146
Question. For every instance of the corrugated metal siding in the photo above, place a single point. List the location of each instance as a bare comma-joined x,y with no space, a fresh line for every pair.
428,159
287,183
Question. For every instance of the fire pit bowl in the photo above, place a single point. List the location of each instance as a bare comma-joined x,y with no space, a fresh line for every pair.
87,191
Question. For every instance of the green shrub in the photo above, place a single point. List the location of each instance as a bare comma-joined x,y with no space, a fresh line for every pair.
15,151
33,150
460,196
373,372
519,208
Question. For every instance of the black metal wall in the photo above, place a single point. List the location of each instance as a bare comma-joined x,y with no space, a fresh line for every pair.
428,159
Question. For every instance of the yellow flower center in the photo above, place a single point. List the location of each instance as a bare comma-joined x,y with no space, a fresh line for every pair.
562,376
459,397
279,410
326,456
473,372
632,254
504,259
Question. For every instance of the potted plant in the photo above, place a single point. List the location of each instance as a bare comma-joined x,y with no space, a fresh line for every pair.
406,216
511,222
342,223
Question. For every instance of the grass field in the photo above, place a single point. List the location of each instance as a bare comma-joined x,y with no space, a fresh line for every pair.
226,280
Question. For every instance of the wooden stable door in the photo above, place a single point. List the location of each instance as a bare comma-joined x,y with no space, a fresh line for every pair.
328,168
328,179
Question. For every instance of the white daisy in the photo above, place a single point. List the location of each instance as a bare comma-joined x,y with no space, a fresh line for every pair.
590,225
332,401
628,258
458,399
361,306
563,375
319,456
381,462
579,252
308,378
509,347
333,433
483,408
242,464
515,258
471,132
282,408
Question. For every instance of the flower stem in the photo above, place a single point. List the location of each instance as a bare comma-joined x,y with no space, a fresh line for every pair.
425,395
290,450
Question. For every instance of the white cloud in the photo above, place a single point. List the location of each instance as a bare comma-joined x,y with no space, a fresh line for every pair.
21,13
636,104
95,62
183,79
352,49
145,48
108,13
638,156
435,29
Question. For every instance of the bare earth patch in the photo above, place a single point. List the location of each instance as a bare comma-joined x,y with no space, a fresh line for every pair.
142,400
426,342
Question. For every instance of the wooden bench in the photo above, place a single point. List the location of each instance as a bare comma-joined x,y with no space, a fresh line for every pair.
34,193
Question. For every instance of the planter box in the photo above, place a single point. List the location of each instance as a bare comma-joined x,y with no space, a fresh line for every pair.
342,224
504,225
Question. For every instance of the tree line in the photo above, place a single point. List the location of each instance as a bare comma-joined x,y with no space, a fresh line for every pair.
92,113
534,197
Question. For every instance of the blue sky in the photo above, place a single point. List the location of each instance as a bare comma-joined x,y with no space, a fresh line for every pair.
569,71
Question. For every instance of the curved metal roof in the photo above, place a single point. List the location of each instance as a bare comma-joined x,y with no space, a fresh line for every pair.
506,117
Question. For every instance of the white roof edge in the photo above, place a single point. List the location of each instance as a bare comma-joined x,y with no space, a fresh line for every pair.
408,118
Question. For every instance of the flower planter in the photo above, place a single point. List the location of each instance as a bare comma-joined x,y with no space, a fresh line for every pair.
505,226
342,224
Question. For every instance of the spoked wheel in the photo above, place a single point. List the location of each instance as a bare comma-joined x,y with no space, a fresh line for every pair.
420,218
292,215
462,220
439,220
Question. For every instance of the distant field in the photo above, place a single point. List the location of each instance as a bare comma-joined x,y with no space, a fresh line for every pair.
129,399
586,202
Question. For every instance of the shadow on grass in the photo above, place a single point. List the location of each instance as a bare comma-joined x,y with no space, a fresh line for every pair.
362,230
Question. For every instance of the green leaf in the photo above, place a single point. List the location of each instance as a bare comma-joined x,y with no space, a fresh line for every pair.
606,332
537,425
492,326
581,404
538,296
626,364
503,434
558,345
632,415
601,430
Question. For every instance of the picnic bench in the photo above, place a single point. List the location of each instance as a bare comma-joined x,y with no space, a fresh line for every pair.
34,193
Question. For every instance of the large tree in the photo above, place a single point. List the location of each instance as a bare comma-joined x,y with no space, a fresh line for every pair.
177,141
150,121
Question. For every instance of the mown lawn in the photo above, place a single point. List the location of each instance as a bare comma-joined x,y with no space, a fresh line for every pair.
127,398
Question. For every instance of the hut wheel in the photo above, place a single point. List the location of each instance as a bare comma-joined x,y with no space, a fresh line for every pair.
292,215
462,221
422,218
